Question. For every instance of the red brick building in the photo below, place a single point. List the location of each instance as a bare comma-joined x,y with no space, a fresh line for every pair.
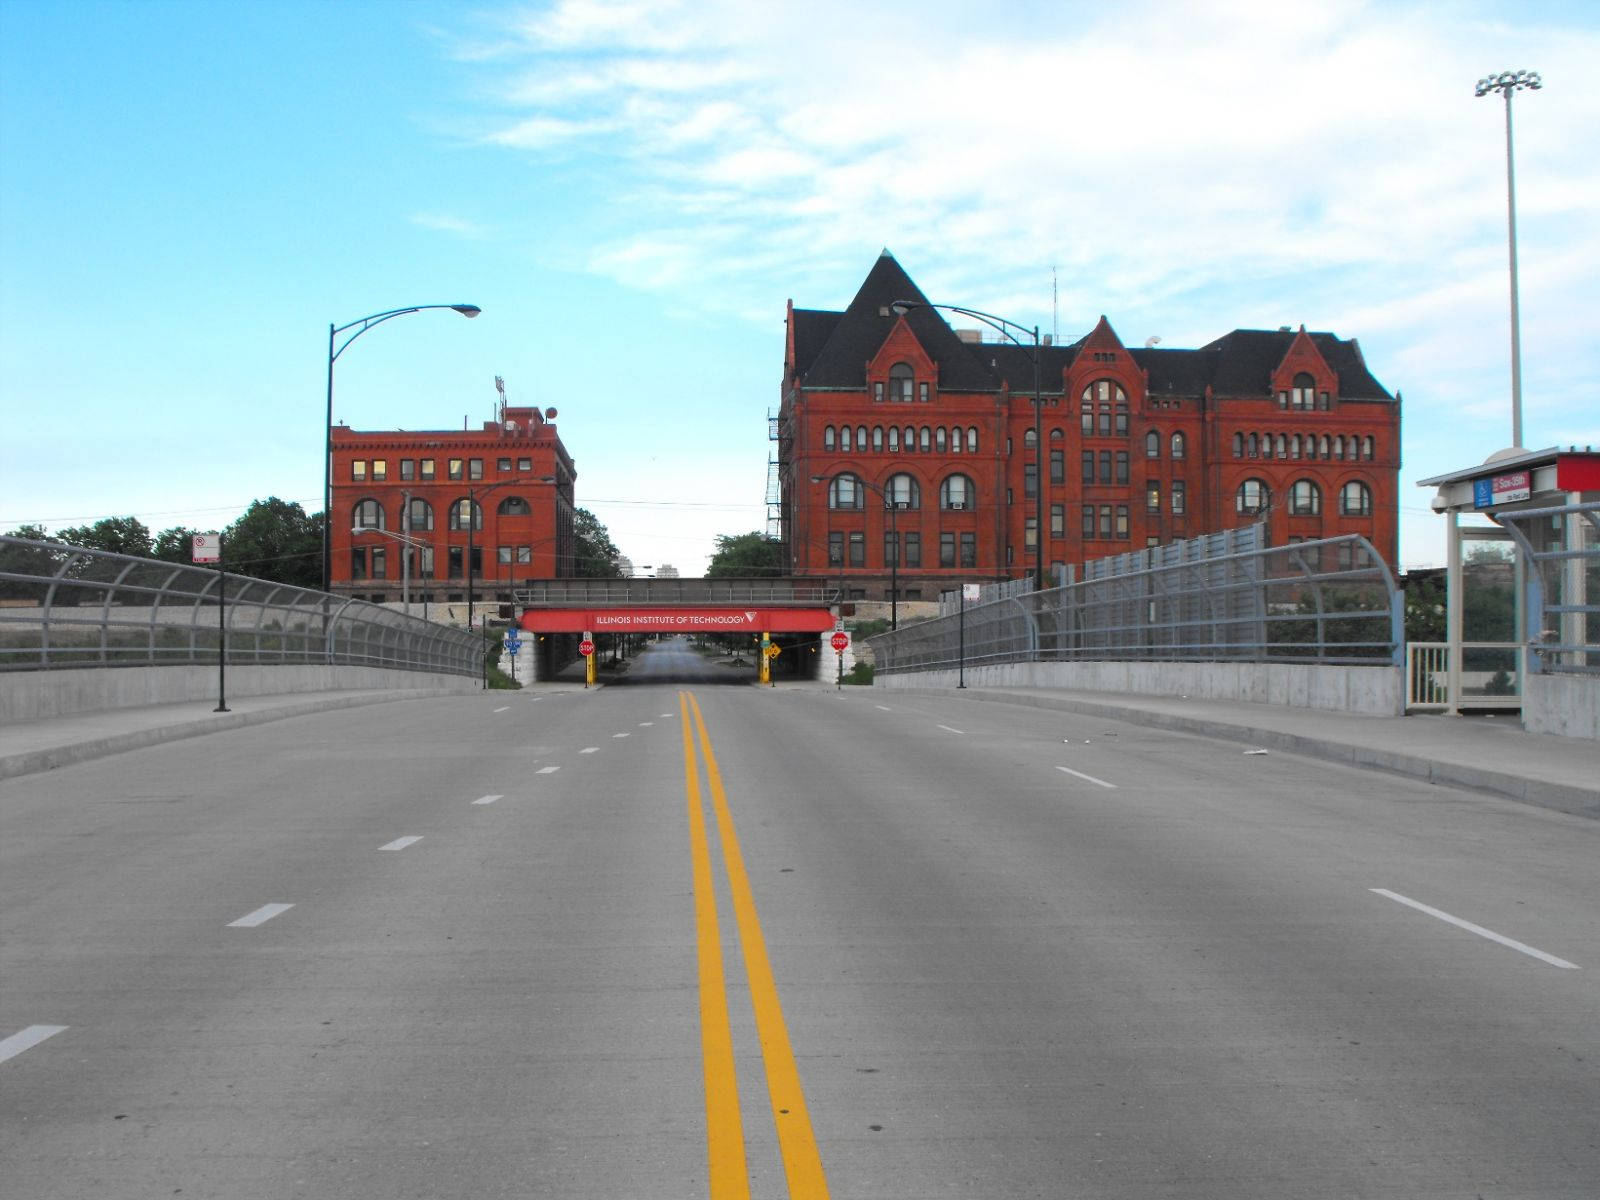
1142,446
496,500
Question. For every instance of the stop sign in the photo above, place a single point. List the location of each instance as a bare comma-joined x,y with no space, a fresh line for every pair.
840,641
586,647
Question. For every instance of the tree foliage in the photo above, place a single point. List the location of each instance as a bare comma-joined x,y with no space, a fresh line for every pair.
745,554
117,535
275,539
594,554
175,545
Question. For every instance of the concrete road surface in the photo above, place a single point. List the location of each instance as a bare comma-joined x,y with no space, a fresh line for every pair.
690,938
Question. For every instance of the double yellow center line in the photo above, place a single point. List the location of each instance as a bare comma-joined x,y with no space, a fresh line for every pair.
729,1173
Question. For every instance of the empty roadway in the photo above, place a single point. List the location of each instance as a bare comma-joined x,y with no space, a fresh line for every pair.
448,947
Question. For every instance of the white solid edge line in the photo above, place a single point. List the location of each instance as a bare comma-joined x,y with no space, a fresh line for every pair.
260,917
490,799
1520,947
947,729
401,843
548,770
27,1039
1089,778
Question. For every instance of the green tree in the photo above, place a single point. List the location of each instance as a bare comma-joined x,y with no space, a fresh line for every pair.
27,560
745,554
275,539
175,545
595,555
119,535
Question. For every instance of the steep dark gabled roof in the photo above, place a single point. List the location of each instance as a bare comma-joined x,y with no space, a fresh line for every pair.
1015,364
1176,372
861,329
1246,359
812,329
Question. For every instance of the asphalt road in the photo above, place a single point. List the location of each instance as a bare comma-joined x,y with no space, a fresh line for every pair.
650,940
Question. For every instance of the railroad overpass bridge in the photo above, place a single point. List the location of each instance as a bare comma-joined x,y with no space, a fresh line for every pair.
791,616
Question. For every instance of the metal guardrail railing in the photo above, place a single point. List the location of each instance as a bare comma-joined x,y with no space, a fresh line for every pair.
67,606
670,591
1333,601
1561,544
1491,676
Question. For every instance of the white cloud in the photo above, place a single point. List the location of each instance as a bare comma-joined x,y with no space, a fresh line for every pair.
444,223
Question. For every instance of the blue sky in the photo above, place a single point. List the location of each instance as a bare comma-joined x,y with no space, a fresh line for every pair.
191,192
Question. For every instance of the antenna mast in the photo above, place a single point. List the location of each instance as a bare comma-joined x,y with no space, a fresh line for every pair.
1055,308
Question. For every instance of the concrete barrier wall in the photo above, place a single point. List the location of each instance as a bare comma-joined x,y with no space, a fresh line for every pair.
1371,691
1567,705
32,695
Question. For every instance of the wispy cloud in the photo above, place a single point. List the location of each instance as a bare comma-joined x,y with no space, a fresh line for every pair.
444,223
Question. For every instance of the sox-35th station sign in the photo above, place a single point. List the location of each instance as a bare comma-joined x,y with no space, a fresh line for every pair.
677,619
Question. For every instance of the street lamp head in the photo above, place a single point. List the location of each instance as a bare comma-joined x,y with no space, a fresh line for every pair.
1508,82
901,307
816,479
467,310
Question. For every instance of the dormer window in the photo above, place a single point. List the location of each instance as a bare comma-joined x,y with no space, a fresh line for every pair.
901,383
1304,394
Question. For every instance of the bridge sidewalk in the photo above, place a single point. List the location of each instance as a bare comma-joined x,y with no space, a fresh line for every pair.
1490,754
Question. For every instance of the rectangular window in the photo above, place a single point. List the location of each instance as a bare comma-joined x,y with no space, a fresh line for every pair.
358,470
1122,522
1105,422
477,560
1122,422
922,392
1152,496
1122,466
524,555
913,550
408,468
891,550
1030,534
524,464
380,469
877,391
1088,520
456,559
424,563
1105,522
380,562
858,549
1105,466
836,549
457,469
1030,479
502,464
1058,466
969,549
1058,520
358,562
1177,496
1088,466
475,468
502,555
947,549
427,470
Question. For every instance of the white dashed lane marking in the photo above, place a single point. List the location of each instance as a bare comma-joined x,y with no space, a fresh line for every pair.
548,770
400,843
260,917
504,708
489,799
589,750
947,729
617,735
27,1039
1087,778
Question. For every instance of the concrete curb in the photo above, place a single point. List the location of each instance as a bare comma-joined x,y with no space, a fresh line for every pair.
34,761
1578,801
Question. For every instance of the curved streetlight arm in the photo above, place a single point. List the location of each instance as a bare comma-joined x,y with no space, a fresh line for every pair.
1003,326
415,543
365,323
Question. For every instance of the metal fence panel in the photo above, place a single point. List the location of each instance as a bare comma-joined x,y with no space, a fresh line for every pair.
67,606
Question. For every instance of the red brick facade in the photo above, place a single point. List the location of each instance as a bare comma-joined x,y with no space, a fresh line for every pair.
1141,447
516,472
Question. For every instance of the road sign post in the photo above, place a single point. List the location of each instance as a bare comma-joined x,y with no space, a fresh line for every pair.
840,642
969,591
586,648
207,548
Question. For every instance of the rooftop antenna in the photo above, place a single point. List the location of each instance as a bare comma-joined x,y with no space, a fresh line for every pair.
500,386
1055,307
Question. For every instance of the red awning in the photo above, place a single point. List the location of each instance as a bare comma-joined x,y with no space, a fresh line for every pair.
678,619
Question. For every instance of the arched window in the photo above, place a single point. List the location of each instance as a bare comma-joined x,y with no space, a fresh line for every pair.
877,438
1238,445
910,438
1305,392
902,385
957,441
1152,444
1253,442
845,491
925,443
894,439
827,438
1305,498
861,438
938,439
1355,499
1294,446
1251,496
421,514
514,506
1366,448
956,494
902,491
1180,445
1311,445
464,510
1283,446
972,439
367,514
1029,441
1352,448
846,439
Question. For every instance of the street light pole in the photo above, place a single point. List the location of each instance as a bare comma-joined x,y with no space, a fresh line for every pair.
1004,326
410,543
1506,83
335,349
